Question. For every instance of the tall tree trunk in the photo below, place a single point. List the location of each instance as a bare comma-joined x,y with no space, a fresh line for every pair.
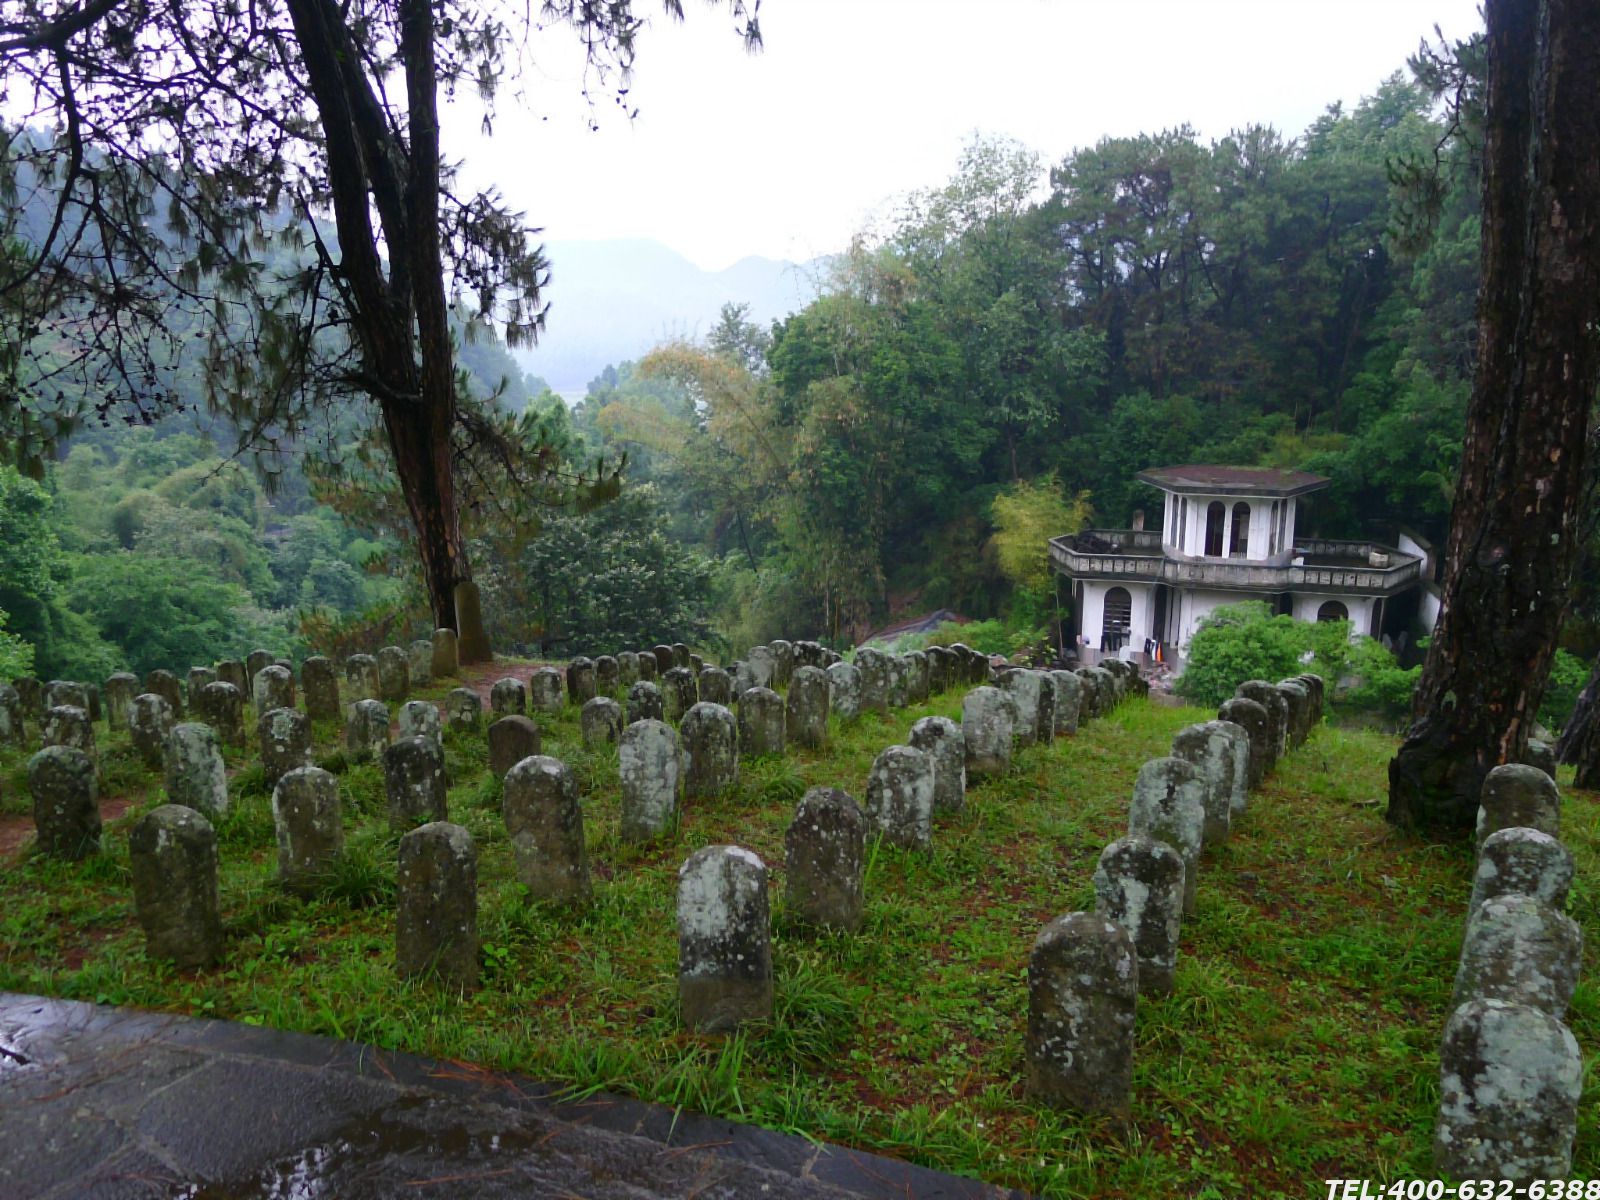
1513,531
1579,743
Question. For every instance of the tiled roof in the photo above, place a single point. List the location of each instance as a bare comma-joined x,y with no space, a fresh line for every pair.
1257,481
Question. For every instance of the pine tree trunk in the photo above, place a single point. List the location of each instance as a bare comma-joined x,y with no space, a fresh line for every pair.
1514,527
1580,740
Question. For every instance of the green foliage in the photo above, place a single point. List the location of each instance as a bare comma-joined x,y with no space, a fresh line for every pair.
1382,685
1027,514
1237,642
16,655
1568,674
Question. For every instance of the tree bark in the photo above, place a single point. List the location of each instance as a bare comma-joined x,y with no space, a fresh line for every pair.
1579,743
1513,530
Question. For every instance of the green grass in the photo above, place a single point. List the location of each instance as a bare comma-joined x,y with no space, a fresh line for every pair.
1298,1044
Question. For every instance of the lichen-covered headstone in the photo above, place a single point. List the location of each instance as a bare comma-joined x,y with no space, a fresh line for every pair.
221,706
900,797
986,725
1518,796
420,718
876,683
1271,699
1089,700
68,725
285,738
1139,885
1257,725
648,667
31,692
782,662
942,741
663,656
508,697
806,708
580,681
319,680
1209,746
724,940
1083,986
1108,690
463,709
196,776
899,674
446,662
649,772
512,739
607,675
1297,700
119,691
164,684
710,739
273,687
231,670
414,782
715,685
199,678
1025,688
1510,1077
600,720
1069,699
172,856
150,719
436,926
65,693
844,690
810,654
761,669
1169,805
761,722
419,662
1520,950
645,702
544,819
679,692
360,678
66,802
681,655
394,674
1521,861
11,727
310,828
627,668
825,859
547,691
366,730
255,661
939,669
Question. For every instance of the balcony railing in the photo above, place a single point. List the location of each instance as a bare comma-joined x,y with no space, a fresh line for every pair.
1137,555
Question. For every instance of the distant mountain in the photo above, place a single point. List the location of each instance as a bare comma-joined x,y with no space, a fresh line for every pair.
614,300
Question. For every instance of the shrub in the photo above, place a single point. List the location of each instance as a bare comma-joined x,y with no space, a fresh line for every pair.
1245,641
1383,686
1567,676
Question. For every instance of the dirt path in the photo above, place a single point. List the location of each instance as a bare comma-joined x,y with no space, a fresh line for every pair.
15,830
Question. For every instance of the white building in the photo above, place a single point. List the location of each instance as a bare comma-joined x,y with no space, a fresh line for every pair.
1227,534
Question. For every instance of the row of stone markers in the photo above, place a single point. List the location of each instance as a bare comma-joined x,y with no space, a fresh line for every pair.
1086,970
1510,1073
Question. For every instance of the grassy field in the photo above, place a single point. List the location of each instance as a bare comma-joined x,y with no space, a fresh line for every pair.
1299,1043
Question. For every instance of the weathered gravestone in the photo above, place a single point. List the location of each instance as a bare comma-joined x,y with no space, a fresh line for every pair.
31,692
782,662
825,860
231,670
1083,986
1257,725
463,708
436,926
547,691
164,684
360,678
446,663
724,940
806,708
119,691
1520,950
285,738
512,739
1518,796
1037,720
221,706
986,724
1209,748
196,683
310,829
394,674
710,739
319,680
680,655
414,782
942,741
1069,699
508,697
844,690
66,693
649,772
272,687
366,730
679,692
68,725
648,667
1271,699
254,662
627,668
645,702
1297,702
419,662
1169,805
607,675
66,803
1139,885
1521,861
761,722
11,727
600,720
172,856
715,685
544,820
873,666
580,681
940,669
1510,1077
195,775
420,718
149,721
900,797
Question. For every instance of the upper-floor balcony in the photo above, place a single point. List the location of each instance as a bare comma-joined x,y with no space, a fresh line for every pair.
1316,564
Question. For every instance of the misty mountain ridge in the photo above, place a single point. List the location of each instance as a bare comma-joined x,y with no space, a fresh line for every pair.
614,300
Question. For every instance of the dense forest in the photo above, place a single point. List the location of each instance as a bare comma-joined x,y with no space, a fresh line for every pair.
989,369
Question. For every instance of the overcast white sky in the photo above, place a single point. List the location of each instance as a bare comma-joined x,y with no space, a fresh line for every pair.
852,103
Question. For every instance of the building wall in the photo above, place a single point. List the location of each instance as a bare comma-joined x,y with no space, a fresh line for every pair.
1092,622
1361,609
1184,525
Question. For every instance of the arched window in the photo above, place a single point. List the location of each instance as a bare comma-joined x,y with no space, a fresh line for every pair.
1332,610
1241,530
1216,514
1117,620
